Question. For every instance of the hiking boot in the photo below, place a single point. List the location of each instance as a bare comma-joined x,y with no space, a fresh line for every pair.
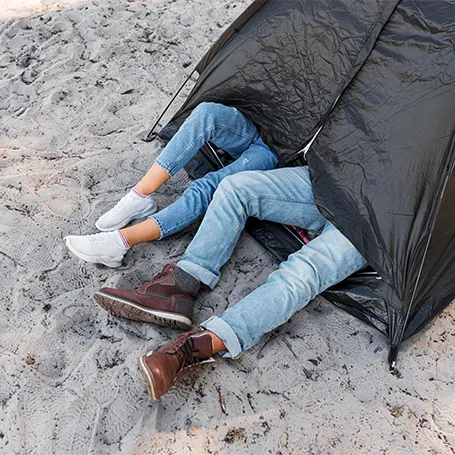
165,300
164,366
132,206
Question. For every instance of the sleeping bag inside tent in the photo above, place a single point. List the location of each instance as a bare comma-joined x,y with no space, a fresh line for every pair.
376,80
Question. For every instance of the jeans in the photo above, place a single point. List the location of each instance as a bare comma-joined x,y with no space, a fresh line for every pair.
229,130
280,195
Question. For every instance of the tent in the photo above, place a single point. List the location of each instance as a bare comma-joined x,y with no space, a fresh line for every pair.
372,84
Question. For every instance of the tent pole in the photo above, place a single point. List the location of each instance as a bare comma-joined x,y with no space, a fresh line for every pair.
151,135
252,9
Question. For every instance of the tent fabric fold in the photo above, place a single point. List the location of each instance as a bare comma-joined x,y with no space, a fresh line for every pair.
378,76
386,149
287,66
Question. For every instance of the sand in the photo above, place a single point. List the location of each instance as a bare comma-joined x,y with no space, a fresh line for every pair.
80,85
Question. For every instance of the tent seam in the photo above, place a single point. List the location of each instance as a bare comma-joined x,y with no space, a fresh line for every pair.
441,193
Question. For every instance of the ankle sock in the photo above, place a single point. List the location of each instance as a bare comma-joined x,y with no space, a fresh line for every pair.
135,192
187,282
120,239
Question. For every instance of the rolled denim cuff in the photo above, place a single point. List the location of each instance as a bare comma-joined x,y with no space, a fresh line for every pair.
159,223
169,168
200,273
225,332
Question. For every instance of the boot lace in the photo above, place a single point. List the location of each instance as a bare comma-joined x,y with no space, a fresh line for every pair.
182,349
168,269
186,356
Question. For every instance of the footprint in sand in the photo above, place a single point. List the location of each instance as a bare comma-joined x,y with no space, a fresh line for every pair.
444,408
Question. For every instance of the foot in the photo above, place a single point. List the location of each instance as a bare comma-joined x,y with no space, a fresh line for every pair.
164,366
165,300
131,207
107,248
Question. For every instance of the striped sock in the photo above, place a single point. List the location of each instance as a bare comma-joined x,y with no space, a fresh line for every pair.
123,239
137,193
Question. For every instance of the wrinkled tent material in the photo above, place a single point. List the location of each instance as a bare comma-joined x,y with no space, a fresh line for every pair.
380,77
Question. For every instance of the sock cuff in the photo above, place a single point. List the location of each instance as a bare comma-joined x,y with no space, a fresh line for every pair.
187,282
137,193
123,239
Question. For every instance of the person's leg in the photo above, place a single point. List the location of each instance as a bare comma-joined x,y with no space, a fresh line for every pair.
284,196
280,195
193,203
325,261
224,126
110,247
322,263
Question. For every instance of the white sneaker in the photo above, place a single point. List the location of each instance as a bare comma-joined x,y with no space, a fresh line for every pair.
106,248
131,207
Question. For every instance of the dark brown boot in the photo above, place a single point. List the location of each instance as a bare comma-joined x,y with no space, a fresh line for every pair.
165,300
164,366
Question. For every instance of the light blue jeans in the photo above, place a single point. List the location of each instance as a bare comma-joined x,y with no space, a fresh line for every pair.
229,130
280,195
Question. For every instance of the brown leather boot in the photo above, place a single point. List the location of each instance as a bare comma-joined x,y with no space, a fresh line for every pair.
165,300
164,366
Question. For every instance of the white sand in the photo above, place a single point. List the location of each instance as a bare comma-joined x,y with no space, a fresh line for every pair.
79,87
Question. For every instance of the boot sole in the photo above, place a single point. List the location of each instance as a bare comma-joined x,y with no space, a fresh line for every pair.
148,378
126,221
129,310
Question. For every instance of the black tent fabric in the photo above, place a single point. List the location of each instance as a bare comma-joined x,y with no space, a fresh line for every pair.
378,76
287,65
387,149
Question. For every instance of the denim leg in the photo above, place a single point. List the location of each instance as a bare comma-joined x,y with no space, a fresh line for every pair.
325,261
224,126
281,195
192,205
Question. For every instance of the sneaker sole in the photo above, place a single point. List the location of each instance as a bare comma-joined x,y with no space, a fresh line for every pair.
148,378
128,220
93,259
129,310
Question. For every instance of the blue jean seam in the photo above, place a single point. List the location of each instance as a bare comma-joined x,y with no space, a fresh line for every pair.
231,241
163,166
177,226
339,278
159,224
191,218
244,212
207,129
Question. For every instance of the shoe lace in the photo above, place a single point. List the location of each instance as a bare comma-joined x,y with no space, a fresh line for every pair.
120,206
168,269
186,356
97,239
